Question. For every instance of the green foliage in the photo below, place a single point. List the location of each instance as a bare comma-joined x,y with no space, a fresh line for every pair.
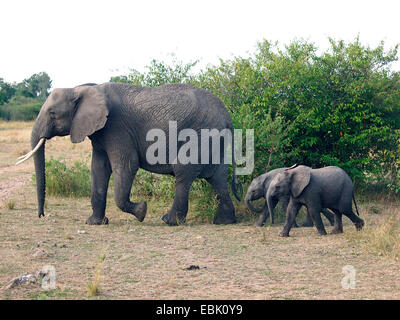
159,73
22,101
36,86
20,108
6,91
69,181
340,107
204,201
152,185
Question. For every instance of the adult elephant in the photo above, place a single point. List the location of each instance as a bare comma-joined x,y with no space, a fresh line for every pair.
259,187
117,117
328,187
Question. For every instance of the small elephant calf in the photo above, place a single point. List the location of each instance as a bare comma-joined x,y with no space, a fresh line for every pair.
259,188
328,187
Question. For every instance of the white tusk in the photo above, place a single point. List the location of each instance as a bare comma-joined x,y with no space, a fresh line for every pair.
25,155
31,153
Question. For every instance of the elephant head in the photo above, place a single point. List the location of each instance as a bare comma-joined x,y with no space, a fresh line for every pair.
255,191
291,181
78,112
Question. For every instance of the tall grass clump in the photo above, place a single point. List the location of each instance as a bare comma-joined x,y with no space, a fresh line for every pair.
93,286
10,205
382,238
69,181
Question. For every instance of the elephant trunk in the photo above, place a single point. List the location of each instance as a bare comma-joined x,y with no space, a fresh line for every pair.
39,161
250,206
270,205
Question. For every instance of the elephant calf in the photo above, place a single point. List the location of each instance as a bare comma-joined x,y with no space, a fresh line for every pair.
328,187
259,188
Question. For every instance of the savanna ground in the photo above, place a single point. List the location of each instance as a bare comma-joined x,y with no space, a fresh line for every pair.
132,260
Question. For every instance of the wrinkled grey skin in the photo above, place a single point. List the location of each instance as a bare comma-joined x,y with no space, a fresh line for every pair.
259,188
116,117
328,187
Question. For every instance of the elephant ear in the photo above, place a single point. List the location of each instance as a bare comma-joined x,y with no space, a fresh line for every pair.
300,178
91,112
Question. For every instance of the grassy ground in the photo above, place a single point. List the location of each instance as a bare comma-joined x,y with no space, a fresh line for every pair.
132,260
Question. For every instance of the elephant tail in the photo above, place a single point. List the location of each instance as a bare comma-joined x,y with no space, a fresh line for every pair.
355,204
237,188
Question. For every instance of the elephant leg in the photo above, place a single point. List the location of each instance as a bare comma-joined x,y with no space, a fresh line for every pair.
309,222
226,210
180,206
264,216
315,214
358,223
337,225
100,176
123,179
291,213
328,215
284,203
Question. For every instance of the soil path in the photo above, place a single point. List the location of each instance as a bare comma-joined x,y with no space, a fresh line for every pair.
16,180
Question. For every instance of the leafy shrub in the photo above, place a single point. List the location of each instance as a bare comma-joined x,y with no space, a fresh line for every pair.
151,185
20,108
160,72
69,181
204,202
340,107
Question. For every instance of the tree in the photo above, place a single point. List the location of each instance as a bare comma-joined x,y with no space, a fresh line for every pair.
6,91
159,73
36,86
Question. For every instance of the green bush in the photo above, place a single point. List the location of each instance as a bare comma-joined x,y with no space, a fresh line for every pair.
150,185
69,181
339,107
20,108
204,202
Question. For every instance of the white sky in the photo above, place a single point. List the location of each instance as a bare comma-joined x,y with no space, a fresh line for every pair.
78,41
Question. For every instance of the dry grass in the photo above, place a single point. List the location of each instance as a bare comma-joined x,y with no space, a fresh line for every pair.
10,204
148,260
93,286
381,237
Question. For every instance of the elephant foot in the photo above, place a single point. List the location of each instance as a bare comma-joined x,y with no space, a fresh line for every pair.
322,232
93,220
295,225
167,219
359,225
336,231
260,222
284,234
140,210
224,220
